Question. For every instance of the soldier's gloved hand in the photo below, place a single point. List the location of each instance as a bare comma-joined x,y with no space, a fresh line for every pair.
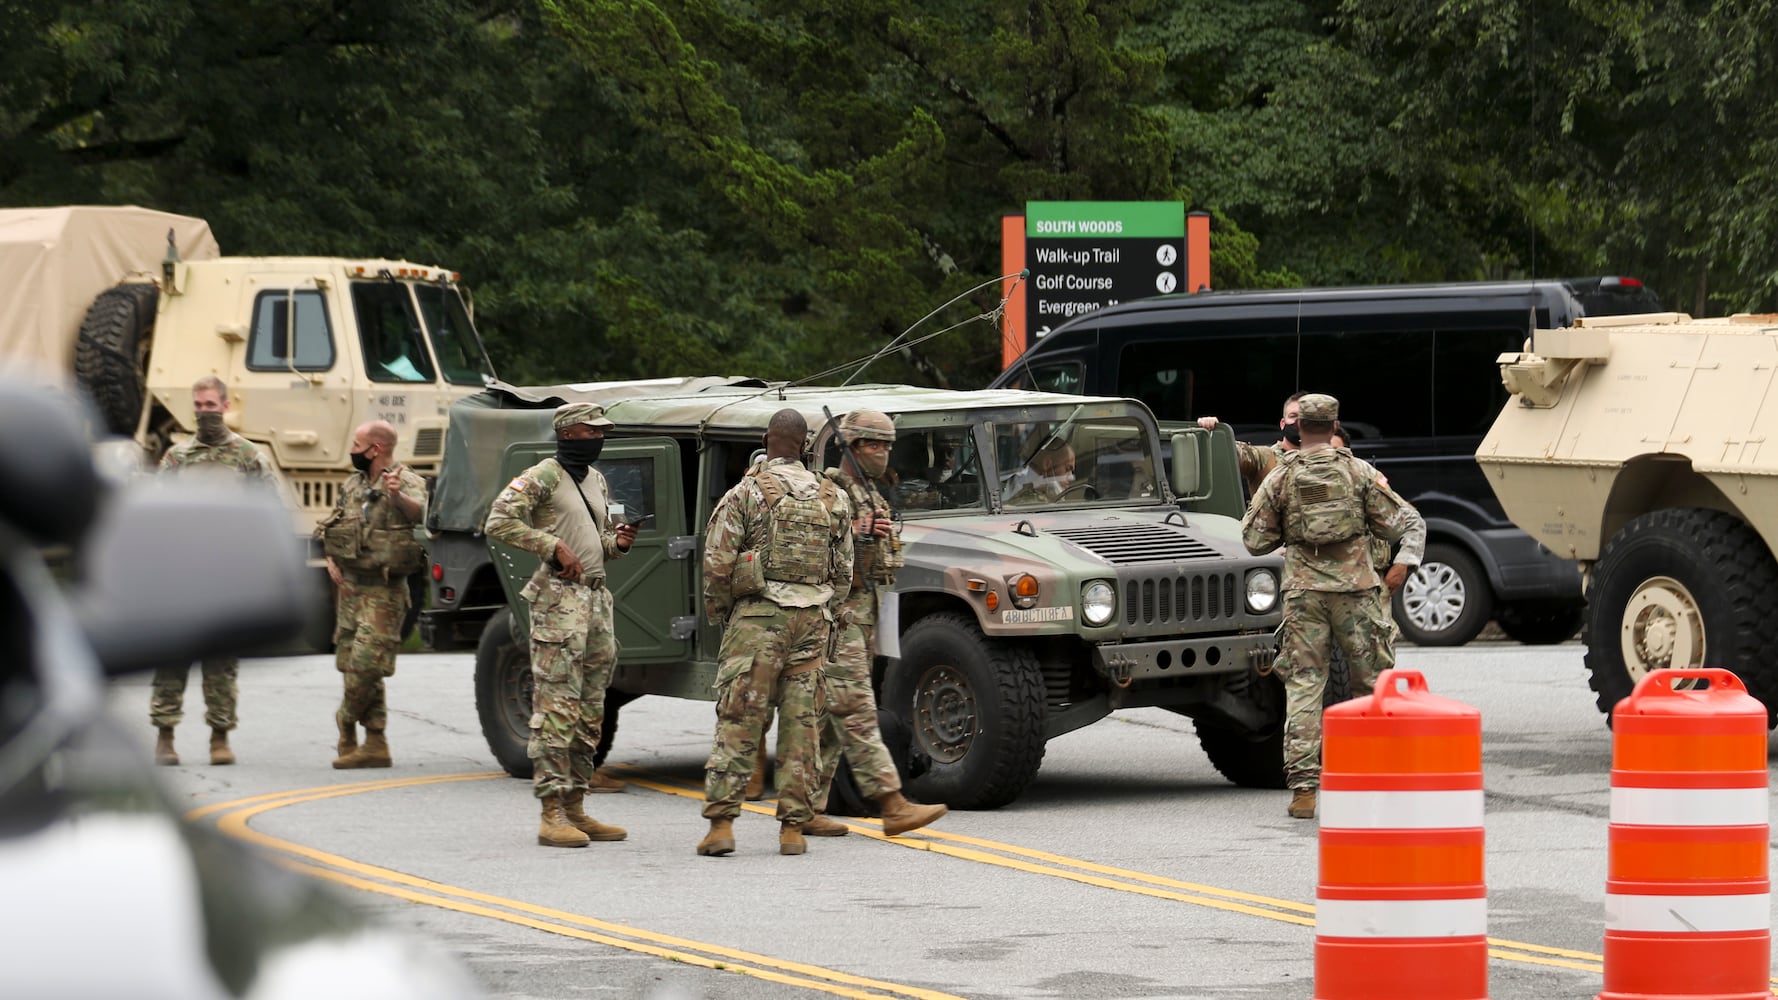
567,563
626,536
1397,575
333,572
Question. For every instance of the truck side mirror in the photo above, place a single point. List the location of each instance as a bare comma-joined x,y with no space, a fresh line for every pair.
1183,476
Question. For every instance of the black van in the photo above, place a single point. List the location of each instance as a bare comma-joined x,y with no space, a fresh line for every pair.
1414,369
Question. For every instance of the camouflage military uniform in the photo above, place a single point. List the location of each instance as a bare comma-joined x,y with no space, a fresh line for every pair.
1330,595
1256,462
573,648
373,598
235,457
850,724
777,634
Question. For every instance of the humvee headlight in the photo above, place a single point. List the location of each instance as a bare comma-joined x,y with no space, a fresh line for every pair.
1024,591
1262,591
1098,602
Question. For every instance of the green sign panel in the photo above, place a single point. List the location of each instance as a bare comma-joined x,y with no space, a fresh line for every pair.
1100,219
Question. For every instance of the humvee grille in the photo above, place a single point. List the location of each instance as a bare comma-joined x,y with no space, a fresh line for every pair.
1126,544
429,441
1172,599
314,493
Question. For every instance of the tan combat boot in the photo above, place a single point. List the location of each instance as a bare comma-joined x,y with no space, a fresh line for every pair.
790,839
720,840
756,785
348,738
374,752
163,747
602,781
555,830
1302,804
900,815
821,826
595,830
219,751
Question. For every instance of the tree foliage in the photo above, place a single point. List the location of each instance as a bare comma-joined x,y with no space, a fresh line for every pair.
643,187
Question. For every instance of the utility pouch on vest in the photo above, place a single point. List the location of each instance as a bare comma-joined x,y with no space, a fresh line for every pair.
341,540
1323,498
398,550
749,576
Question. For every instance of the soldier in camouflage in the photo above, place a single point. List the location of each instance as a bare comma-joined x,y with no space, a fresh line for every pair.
1325,506
560,511
1256,462
219,452
777,563
371,550
850,723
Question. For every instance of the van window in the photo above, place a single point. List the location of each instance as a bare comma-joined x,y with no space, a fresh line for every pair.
390,332
1065,377
269,345
1466,390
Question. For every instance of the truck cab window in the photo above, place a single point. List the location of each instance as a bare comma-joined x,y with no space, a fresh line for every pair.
454,340
389,329
290,329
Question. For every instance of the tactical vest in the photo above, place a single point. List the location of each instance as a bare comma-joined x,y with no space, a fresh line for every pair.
379,543
1323,502
798,532
874,560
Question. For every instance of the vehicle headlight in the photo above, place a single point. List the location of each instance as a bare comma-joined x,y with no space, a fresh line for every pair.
1098,602
1262,591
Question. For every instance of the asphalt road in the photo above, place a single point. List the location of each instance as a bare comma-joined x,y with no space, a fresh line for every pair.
1128,869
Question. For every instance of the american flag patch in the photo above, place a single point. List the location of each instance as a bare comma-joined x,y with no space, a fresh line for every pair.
518,483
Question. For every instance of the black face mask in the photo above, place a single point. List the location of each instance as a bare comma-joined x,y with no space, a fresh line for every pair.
361,461
211,429
1293,434
578,455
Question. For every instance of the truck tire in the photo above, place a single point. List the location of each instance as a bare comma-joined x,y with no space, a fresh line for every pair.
503,694
976,708
111,354
1446,601
1251,760
1541,624
1677,588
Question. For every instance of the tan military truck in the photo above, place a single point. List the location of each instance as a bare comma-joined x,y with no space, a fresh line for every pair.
1645,448
135,305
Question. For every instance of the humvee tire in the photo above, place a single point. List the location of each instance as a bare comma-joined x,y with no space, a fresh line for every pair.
1447,578
1251,760
111,355
976,707
503,699
1684,584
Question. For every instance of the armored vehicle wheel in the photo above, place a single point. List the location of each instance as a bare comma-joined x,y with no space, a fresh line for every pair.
976,707
503,694
1446,601
1684,587
111,355
1250,759
1541,625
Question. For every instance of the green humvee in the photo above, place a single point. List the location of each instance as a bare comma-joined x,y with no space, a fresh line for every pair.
1019,616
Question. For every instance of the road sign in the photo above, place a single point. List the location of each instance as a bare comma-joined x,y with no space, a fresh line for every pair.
1084,255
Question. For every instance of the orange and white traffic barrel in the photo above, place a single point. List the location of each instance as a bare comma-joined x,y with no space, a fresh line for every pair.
1687,905
1401,907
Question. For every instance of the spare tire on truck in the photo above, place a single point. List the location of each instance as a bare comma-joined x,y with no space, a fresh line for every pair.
111,355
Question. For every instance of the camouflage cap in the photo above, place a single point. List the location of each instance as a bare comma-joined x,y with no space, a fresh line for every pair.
867,425
1318,406
569,414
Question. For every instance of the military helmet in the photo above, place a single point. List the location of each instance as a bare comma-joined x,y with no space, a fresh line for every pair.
867,425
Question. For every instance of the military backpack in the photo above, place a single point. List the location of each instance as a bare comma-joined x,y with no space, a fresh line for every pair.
798,532
1322,500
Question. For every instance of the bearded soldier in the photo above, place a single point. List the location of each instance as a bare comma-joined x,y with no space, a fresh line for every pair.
559,510
371,551
215,451
1326,506
850,723
777,563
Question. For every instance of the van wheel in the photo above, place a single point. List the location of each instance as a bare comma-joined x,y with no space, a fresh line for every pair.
111,354
1541,624
1682,588
976,707
503,694
1249,759
1446,600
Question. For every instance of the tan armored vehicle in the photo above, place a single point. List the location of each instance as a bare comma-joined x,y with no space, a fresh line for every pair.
136,305
1646,447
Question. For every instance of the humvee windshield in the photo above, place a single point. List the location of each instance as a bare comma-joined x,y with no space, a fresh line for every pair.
1060,461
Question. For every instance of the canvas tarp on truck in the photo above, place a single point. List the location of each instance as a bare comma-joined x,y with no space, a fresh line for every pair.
55,261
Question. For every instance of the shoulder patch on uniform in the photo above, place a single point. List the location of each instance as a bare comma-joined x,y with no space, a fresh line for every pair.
518,483
1382,480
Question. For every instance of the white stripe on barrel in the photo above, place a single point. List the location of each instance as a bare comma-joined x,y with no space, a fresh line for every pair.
1695,914
1689,806
1354,810
1403,918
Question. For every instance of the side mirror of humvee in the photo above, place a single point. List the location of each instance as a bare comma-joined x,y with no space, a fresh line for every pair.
1183,475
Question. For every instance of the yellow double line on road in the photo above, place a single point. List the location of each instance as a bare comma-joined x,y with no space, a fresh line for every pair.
234,817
